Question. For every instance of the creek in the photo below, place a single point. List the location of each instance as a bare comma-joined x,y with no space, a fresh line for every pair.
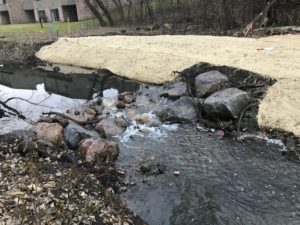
206,180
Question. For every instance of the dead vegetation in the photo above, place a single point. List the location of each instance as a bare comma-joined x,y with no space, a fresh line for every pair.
37,188
207,15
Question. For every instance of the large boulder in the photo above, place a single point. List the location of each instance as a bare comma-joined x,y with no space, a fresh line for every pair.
174,90
109,128
226,104
181,110
99,151
209,82
75,133
52,132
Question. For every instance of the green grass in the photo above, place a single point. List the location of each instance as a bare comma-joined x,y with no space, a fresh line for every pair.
35,28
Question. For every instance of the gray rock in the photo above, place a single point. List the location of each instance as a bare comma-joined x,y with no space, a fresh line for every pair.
226,104
120,105
174,90
120,121
75,133
209,82
9,125
181,110
109,128
155,123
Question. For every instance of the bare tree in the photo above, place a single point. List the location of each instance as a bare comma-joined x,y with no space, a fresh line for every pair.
96,13
106,12
120,9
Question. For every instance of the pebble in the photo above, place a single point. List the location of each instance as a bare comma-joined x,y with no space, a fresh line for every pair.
176,173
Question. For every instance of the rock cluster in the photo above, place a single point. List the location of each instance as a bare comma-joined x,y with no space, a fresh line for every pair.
91,130
213,99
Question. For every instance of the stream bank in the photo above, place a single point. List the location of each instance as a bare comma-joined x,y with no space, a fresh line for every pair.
165,172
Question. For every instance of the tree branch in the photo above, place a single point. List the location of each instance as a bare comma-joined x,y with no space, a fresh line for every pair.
80,122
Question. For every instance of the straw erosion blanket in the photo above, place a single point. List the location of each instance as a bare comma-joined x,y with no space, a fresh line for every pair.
152,59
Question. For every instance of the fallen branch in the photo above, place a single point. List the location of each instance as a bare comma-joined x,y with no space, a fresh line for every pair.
263,14
33,103
13,110
80,122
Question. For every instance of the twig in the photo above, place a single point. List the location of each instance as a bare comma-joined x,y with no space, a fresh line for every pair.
33,103
264,12
80,122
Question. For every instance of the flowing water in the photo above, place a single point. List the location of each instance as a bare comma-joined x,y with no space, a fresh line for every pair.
221,181
205,180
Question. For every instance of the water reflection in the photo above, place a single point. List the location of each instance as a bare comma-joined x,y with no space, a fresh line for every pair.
55,91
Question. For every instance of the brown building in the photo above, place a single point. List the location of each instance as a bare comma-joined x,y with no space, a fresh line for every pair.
28,11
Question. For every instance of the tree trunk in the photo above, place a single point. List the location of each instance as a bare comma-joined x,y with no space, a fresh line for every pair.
96,13
120,9
106,12
150,11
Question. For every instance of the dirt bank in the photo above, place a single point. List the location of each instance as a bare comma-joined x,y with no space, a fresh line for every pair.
154,59
23,52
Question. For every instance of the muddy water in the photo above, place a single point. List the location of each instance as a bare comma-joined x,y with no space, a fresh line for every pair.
221,181
53,91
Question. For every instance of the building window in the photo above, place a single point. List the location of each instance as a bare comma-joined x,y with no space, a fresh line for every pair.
55,14
42,15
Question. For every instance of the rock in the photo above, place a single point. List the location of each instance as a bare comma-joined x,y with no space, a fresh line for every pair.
142,119
101,117
9,125
51,132
128,99
56,69
174,90
99,151
176,173
97,108
181,110
61,120
226,104
56,119
290,144
89,114
144,130
44,148
131,114
109,128
161,168
147,167
120,105
155,123
120,121
209,82
109,102
220,133
74,133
